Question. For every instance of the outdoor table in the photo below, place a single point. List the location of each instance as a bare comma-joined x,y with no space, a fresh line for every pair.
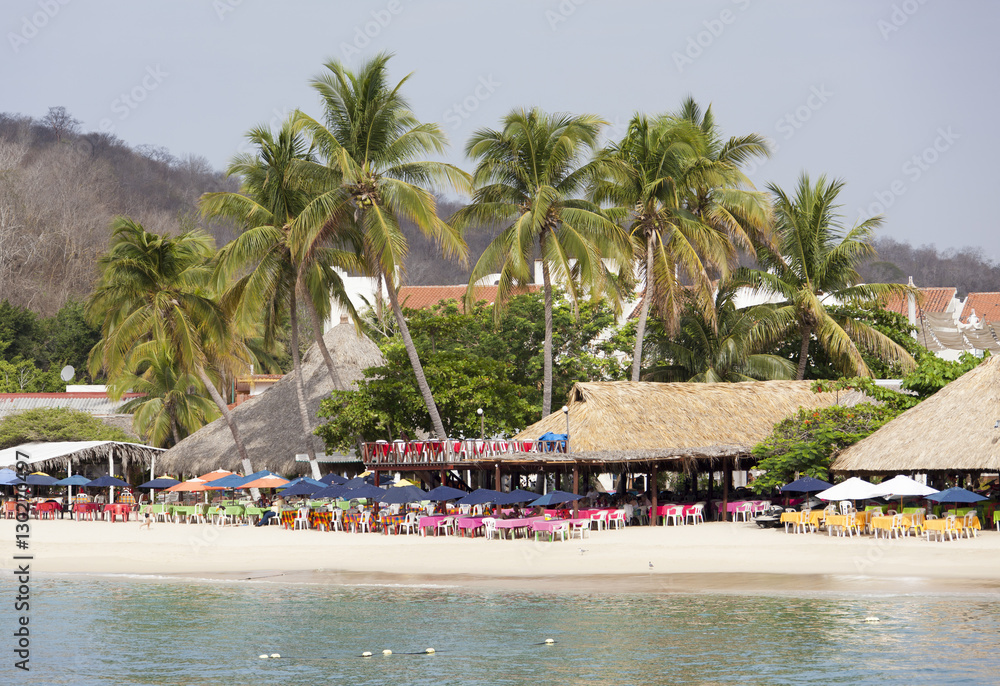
514,524
469,524
549,526
288,518
351,520
186,511
251,511
862,519
814,518
118,509
942,524
321,519
391,521
432,521
47,509
884,523
84,509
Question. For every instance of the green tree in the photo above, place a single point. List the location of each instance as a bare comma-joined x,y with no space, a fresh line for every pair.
259,269
530,178
55,424
154,294
22,376
372,176
727,349
816,260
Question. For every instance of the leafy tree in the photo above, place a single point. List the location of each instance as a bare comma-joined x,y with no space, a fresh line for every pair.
530,178
18,331
932,373
816,260
154,294
806,443
55,424
372,176
22,376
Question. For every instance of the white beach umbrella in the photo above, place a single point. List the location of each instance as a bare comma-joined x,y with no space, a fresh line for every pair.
900,487
852,489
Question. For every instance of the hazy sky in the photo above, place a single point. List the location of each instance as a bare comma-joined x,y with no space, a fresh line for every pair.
898,98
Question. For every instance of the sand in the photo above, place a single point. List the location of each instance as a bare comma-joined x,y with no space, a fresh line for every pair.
713,556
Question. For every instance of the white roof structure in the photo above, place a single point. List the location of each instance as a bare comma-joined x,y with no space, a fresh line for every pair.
57,453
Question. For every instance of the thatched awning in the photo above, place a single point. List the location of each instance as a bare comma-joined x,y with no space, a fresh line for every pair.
953,430
55,455
624,421
269,423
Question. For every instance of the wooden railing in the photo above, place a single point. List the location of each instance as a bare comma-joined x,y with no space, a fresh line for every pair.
451,451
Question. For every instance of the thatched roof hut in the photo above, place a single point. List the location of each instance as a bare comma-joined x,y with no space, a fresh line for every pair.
953,430
624,421
269,423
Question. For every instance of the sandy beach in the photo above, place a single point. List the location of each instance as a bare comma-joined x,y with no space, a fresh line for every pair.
714,556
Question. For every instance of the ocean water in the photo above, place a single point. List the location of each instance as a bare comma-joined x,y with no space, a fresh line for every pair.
110,630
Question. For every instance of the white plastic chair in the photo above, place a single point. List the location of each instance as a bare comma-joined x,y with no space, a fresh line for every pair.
744,509
967,528
850,526
489,527
600,518
581,528
447,525
697,513
409,525
301,520
617,518
845,507
675,513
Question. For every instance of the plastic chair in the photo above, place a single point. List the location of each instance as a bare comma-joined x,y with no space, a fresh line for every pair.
744,509
489,527
967,527
409,525
845,507
617,518
675,513
697,513
850,526
447,525
336,523
599,518
581,528
301,520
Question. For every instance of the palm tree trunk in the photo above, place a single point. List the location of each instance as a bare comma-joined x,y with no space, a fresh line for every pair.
547,350
418,369
318,335
173,430
640,331
804,352
228,416
300,389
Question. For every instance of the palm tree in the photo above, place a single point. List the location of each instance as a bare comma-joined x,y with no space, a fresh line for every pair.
371,177
688,206
726,347
816,260
530,177
259,269
153,295
172,405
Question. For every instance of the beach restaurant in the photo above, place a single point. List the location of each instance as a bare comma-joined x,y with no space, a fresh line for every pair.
624,428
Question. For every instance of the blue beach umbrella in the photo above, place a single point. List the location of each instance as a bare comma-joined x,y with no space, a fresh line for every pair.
302,488
330,492
305,480
332,479
955,495
366,491
8,477
480,496
445,493
806,484
401,495
516,496
556,498
105,481
40,480
75,480
159,482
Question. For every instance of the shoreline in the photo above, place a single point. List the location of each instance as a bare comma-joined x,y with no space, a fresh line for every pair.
714,557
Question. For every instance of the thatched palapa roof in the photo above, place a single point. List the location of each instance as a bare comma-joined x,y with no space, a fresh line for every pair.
269,423
623,421
953,430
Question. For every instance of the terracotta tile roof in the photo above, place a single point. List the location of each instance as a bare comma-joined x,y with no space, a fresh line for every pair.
426,297
931,300
986,305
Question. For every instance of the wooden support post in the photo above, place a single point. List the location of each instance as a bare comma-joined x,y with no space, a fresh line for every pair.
576,489
375,502
496,475
655,493
726,475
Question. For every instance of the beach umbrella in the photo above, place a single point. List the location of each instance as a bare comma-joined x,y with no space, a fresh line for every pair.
852,489
331,492
271,481
401,495
901,486
516,496
480,496
366,491
956,495
555,498
445,493
191,485
333,479
806,484
40,479
305,480
105,481
217,474
159,482
357,482
301,488
8,477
